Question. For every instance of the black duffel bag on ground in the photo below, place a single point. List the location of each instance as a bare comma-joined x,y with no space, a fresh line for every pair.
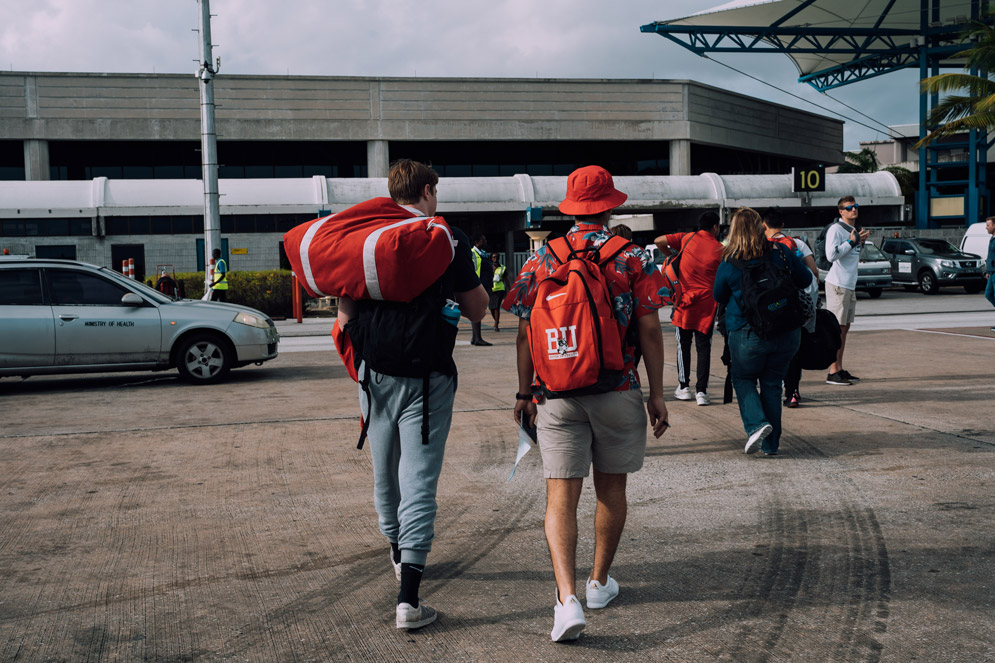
818,349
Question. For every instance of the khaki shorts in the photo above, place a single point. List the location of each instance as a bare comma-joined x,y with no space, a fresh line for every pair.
606,429
841,302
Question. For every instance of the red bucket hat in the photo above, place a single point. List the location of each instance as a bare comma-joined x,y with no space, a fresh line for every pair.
591,190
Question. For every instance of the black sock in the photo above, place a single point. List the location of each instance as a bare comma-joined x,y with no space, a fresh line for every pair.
395,552
410,580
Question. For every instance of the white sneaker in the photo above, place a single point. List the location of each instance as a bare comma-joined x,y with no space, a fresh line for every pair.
683,393
408,617
702,398
568,619
396,565
598,595
756,437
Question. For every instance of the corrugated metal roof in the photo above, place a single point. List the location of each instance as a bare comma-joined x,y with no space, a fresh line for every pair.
883,15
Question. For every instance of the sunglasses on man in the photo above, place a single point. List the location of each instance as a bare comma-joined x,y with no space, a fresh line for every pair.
850,208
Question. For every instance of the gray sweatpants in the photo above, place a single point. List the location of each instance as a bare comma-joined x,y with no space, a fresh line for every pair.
405,471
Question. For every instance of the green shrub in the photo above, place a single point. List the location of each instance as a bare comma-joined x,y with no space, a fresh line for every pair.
269,291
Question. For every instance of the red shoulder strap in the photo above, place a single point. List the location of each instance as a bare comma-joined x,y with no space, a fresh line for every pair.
559,241
611,248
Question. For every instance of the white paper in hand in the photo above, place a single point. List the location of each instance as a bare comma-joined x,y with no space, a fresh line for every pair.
526,441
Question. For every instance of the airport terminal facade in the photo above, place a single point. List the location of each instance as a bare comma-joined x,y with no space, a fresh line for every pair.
279,134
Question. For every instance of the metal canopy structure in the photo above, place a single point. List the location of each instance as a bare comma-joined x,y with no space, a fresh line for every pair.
838,42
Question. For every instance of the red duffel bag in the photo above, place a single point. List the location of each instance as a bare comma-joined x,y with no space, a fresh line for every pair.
374,250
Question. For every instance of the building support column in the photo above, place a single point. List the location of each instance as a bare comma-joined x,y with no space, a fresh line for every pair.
509,254
36,160
377,158
680,157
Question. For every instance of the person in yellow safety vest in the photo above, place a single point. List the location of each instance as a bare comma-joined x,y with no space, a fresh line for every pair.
219,286
499,289
482,266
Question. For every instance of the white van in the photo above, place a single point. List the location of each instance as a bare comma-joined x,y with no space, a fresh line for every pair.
976,240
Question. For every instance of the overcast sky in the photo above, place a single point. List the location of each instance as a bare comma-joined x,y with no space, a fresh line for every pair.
465,38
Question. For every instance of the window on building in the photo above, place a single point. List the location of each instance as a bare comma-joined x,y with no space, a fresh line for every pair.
53,227
11,160
56,251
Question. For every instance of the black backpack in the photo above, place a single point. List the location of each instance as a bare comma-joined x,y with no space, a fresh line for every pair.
404,339
818,349
768,295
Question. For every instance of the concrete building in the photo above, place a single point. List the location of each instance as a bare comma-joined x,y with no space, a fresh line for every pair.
285,135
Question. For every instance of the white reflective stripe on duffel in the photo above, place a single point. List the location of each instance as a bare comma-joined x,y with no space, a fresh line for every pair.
305,250
370,247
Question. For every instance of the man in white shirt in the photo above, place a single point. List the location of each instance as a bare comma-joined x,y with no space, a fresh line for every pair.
844,240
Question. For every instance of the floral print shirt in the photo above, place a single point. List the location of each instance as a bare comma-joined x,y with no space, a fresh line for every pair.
636,285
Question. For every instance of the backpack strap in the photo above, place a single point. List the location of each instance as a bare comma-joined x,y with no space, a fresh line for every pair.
609,248
558,242
364,383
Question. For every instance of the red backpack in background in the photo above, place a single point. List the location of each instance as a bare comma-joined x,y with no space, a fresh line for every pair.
574,336
374,250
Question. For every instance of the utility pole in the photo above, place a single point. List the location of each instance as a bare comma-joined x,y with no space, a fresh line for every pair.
208,142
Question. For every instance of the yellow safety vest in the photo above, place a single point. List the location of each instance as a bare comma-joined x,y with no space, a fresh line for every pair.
223,283
478,261
499,278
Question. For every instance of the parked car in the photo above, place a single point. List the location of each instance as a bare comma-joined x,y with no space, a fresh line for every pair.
873,271
933,263
64,316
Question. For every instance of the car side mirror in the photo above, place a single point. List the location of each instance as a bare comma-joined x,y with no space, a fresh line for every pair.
131,299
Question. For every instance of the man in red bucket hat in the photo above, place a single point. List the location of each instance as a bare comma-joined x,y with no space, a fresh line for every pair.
608,428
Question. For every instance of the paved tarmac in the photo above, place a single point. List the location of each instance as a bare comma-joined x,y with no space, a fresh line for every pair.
147,520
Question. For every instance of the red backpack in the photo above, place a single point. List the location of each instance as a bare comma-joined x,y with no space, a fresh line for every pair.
574,337
373,250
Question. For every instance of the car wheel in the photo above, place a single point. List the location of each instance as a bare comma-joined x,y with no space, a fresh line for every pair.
875,292
203,359
973,289
927,283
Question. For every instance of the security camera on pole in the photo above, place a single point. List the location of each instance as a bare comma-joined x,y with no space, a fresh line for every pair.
208,142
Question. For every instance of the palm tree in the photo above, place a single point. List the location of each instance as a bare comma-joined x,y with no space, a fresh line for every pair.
974,108
864,161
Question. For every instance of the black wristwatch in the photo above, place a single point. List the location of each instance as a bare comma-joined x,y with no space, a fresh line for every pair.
523,397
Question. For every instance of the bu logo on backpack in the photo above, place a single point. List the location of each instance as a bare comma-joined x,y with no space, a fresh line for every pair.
768,296
574,337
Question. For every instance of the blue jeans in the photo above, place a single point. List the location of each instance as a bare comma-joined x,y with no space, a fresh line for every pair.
765,361
405,471
990,289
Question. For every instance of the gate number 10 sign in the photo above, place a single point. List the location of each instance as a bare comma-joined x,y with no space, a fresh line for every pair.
808,178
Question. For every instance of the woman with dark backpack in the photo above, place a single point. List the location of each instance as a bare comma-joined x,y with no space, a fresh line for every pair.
758,282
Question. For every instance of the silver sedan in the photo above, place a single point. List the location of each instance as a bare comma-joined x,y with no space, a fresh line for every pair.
64,316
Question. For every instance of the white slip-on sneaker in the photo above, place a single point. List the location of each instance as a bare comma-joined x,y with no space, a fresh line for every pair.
396,565
702,398
756,437
568,620
683,393
408,617
598,595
